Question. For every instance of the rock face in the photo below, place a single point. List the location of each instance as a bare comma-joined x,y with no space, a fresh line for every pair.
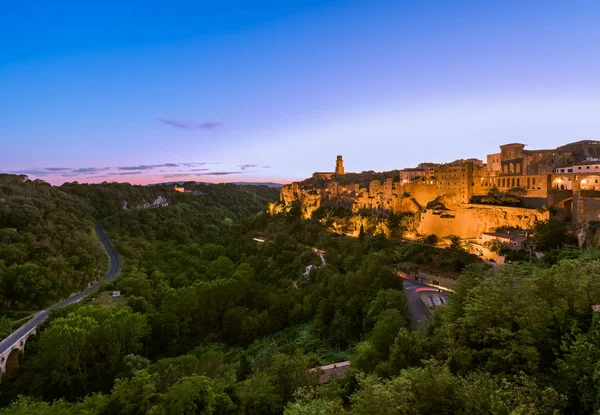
159,202
440,213
470,221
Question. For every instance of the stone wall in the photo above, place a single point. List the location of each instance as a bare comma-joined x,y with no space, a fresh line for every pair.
470,221
422,193
588,209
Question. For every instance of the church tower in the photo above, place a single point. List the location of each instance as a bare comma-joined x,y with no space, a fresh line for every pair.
339,165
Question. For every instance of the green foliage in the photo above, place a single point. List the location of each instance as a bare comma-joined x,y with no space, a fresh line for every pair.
48,248
291,373
257,395
455,243
218,323
27,406
512,197
85,349
550,234
307,403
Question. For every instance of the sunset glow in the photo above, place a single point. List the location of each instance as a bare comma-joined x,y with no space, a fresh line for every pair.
89,91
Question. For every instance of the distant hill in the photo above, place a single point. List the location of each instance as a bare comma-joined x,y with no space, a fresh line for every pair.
48,248
269,184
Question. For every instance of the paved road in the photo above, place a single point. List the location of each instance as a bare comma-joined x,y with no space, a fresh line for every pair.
419,313
321,254
111,274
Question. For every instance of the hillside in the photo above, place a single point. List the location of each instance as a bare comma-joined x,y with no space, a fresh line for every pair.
48,249
218,315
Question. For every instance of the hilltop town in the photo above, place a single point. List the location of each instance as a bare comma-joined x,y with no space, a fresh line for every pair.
513,189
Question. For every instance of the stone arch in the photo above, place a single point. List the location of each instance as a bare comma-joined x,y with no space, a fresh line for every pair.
28,344
566,206
591,182
562,183
13,363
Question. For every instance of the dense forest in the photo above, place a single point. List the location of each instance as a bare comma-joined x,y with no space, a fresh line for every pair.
218,315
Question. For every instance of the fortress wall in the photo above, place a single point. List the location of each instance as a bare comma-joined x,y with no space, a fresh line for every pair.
423,193
588,209
434,224
470,221
534,202
556,196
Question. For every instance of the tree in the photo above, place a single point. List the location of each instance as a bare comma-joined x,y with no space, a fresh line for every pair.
550,234
307,403
380,397
408,349
257,395
27,406
385,331
88,344
455,243
385,300
133,396
193,395
577,370
291,373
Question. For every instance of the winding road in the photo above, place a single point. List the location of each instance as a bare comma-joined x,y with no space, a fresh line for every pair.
111,274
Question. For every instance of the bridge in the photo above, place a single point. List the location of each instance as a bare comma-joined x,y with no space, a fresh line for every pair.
12,348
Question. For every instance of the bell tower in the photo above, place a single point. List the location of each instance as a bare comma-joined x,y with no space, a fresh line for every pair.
339,165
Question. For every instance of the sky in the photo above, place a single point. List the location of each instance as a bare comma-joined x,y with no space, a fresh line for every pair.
149,92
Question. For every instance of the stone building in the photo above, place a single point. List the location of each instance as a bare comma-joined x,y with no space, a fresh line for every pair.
567,178
407,175
339,165
339,169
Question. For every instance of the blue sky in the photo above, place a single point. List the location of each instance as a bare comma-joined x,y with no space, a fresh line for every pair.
273,91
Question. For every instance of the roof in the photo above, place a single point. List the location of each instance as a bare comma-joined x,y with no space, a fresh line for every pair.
328,372
581,163
333,366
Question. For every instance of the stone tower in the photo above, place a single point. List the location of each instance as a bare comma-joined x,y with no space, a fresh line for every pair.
339,165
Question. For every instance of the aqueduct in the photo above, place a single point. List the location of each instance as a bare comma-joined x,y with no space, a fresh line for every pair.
13,346
12,349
